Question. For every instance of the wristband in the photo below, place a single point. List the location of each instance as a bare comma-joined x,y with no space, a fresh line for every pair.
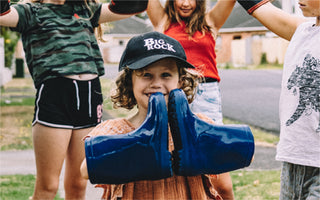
252,5
4,7
128,6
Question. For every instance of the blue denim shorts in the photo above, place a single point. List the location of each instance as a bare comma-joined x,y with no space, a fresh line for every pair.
208,101
299,182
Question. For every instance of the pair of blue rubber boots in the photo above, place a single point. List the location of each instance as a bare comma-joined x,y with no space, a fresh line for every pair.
199,147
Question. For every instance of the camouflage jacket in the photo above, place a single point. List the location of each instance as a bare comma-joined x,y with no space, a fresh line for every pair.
59,40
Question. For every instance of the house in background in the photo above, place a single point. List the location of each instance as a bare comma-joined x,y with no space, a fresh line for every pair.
244,41
118,34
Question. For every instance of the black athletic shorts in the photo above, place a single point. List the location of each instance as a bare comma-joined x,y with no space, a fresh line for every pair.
68,103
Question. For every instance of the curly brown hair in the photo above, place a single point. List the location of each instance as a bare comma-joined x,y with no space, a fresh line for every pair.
124,97
196,22
98,30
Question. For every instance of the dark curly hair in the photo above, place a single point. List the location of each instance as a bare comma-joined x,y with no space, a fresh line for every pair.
124,97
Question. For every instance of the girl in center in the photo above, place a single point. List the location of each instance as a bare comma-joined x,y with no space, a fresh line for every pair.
154,62
196,28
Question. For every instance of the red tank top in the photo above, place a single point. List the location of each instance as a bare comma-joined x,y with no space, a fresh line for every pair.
200,50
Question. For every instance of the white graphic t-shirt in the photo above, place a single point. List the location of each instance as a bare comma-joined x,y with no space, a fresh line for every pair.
300,99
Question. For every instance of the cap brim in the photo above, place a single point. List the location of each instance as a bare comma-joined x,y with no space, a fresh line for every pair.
151,59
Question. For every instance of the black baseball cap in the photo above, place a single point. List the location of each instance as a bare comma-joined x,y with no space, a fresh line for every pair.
145,49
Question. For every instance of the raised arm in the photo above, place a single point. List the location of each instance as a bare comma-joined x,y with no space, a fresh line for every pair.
157,15
275,19
121,9
219,13
8,15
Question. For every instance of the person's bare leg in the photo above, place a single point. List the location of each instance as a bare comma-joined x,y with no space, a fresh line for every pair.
50,147
74,184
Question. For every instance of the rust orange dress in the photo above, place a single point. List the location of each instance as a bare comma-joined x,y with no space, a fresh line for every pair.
175,187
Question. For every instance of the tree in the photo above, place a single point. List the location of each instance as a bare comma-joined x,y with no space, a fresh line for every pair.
10,42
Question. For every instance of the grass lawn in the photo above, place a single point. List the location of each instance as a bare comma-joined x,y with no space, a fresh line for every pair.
247,185
17,187
16,112
256,185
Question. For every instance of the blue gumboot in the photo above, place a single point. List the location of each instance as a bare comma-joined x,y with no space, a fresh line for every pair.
203,148
139,155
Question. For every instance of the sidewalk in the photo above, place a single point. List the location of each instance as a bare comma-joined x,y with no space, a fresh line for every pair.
22,162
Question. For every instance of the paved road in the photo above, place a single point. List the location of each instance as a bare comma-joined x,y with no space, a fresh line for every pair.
23,162
248,96
252,97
